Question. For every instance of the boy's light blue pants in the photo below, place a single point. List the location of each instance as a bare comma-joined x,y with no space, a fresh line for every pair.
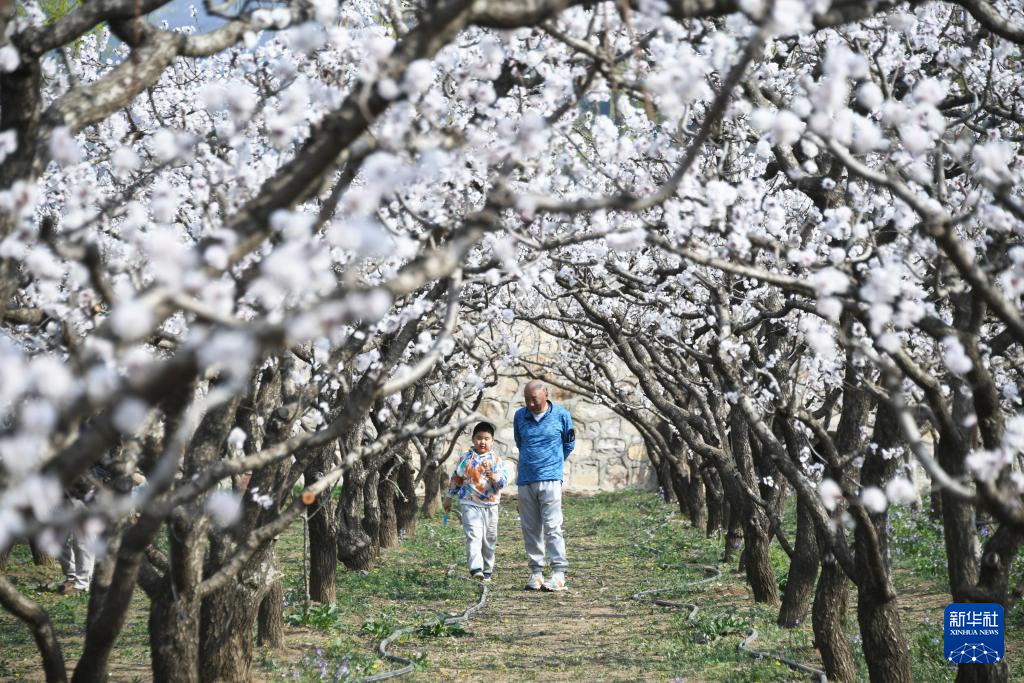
481,527
540,515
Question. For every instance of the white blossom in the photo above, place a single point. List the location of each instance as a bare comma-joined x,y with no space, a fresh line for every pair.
132,320
63,147
8,143
830,494
9,59
224,508
130,415
992,161
236,440
955,356
901,491
873,498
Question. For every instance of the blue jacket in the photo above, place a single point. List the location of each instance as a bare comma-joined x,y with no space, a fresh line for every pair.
543,445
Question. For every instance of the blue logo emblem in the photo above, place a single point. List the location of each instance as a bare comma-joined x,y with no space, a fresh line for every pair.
974,633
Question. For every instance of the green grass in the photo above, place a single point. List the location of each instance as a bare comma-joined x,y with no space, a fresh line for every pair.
618,544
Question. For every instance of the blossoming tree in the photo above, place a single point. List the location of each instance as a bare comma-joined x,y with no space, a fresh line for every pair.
283,250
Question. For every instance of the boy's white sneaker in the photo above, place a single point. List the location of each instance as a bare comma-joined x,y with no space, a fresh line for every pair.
555,583
535,583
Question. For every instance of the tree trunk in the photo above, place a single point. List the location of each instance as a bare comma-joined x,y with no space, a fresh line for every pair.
803,572
371,512
693,502
663,471
39,556
353,541
828,617
935,503
433,481
760,574
734,534
885,648
323,557
387,529
227,620
715,501
323,536
405,500
270,621
757,526
4,554
174,638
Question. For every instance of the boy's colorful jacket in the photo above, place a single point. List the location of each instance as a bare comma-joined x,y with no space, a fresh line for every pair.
470,485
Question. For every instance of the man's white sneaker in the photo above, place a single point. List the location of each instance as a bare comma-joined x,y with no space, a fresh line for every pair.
535,583
555,583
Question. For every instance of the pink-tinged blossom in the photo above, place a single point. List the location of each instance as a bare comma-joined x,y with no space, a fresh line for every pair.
1013,434
930,91
52,378
626,241
63,147
305,38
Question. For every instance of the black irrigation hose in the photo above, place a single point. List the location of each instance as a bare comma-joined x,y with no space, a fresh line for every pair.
407,665
757,654
717,574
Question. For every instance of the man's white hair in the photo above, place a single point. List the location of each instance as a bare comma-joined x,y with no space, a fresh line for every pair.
535,385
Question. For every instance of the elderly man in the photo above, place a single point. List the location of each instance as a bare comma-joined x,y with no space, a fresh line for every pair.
545,438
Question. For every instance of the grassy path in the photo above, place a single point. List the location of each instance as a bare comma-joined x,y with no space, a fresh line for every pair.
593,632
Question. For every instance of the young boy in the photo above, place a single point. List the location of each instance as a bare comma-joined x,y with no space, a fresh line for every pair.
477,481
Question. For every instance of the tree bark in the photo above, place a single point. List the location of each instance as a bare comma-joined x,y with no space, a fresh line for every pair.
323,537
174,638
734,533
371,512
387,529
757,527
828,616
227,620
693,499
353,540
405,500
885,647
715,500
270,620
38,622
40,557
803,571
433,481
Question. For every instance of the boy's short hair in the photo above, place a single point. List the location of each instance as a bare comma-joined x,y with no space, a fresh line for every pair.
483,427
